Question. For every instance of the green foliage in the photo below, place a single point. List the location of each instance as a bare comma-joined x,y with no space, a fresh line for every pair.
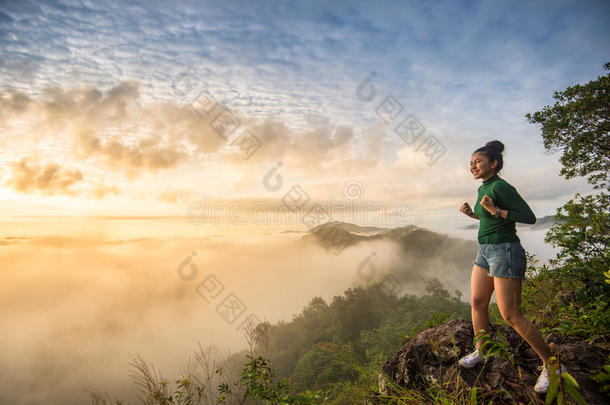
369,319
437,318
359,309
257,377
571,296
156,390
561,385
324,364
557,303
490,347
578,123
607,275
603,377
473,396
432,394
584,238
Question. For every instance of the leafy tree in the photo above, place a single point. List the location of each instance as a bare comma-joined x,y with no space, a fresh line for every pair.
583,239
357,310
324,364
578,123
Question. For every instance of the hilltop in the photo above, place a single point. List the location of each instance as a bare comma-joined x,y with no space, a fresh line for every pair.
425,254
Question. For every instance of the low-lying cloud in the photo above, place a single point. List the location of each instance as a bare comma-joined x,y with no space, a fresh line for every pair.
75,307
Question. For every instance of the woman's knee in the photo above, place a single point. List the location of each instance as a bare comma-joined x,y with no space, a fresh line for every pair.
482,288
510,315
508,296
479,303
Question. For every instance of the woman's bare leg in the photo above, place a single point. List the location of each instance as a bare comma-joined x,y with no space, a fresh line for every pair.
481,288
508,298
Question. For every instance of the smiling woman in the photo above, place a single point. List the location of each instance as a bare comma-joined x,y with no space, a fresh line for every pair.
501,262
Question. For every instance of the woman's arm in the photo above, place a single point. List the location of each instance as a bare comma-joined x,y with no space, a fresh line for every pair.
518,210
465,208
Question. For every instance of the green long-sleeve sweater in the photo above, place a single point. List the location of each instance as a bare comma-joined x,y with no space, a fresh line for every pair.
505,196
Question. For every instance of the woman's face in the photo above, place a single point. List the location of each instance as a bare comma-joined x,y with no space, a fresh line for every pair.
479,166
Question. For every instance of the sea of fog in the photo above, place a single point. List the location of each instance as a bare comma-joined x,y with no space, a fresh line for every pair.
80,296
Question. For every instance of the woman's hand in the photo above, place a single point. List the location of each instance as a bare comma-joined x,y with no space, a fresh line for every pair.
467,210
487,203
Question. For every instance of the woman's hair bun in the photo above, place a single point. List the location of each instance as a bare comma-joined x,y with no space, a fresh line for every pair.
496,145
493,151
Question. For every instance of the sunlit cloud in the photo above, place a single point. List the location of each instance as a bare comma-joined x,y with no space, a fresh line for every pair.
49,179
104,131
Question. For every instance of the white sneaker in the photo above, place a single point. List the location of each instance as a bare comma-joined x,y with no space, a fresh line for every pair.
542,385
471,359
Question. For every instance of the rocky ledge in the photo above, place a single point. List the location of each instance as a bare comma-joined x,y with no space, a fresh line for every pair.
430,358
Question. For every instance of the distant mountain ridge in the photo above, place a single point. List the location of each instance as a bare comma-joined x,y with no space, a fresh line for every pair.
425,254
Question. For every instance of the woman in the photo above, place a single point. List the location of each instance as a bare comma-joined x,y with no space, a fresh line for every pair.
500,263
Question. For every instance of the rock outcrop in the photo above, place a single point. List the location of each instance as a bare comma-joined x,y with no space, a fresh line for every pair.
431,358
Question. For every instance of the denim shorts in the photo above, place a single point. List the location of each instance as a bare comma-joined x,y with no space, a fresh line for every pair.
502,259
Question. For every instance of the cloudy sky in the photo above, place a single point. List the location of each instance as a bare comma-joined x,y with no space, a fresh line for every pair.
118,120
139,108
